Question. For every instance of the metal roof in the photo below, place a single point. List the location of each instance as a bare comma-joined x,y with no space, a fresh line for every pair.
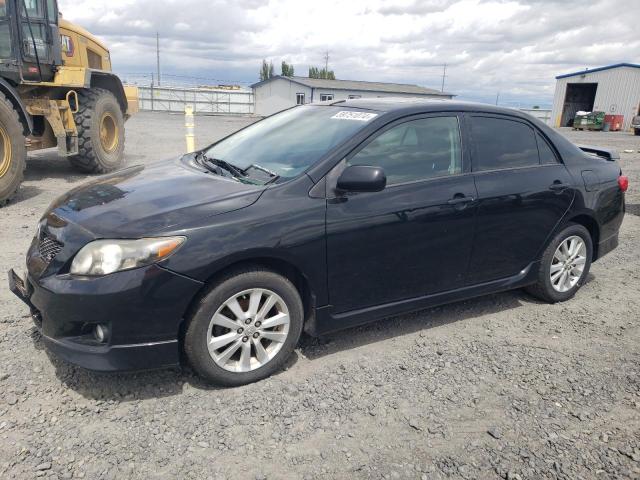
359,85
599,69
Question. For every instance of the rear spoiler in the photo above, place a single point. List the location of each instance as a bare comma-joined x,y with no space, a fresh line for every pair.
606,153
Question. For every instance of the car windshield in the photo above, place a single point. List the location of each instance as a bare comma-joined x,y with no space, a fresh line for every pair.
287,143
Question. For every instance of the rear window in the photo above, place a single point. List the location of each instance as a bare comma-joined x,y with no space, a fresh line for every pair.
501,143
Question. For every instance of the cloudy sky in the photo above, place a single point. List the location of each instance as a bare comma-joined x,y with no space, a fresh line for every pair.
512,47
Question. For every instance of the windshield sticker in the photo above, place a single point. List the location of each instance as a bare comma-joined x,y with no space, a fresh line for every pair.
359,116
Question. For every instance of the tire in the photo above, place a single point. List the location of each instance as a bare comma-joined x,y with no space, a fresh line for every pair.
201,327
636,131
13,152
544,288
98,107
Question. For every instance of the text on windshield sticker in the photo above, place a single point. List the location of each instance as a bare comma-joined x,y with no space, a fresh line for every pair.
359,116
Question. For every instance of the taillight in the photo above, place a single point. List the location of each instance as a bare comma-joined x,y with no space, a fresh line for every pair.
623,182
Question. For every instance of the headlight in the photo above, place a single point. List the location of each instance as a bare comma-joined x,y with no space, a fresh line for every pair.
102,257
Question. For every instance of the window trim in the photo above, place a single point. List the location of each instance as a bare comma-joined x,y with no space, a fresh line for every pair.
553,150
463,148
472,144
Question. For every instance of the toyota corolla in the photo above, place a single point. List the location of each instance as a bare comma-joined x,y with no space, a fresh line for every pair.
318,218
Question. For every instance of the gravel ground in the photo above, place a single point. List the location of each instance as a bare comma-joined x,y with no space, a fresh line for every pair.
497,387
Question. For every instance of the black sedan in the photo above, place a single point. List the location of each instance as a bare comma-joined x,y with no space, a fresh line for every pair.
317,218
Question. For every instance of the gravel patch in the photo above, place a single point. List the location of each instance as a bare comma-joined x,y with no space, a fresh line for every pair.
502,386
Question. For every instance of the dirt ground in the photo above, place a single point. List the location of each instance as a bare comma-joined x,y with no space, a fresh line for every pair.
497,387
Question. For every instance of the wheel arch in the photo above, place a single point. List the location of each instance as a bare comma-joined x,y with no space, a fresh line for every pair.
110,82
11,94
282,266
590,223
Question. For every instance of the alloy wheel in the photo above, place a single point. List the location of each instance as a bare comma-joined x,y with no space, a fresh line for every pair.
248,330
567,265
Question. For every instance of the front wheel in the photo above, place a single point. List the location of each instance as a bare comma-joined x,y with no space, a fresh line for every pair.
100,125
13,153
564,265
244,328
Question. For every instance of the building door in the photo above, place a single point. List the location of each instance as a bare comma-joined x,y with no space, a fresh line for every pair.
579,97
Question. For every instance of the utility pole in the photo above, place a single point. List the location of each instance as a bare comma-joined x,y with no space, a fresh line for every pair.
497,97
326,61
444,74
158,55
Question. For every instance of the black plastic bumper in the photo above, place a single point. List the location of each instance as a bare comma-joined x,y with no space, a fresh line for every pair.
142,310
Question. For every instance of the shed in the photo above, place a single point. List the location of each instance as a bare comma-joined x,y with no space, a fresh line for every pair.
614,89
278,93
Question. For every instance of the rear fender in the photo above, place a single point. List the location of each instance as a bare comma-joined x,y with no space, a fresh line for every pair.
12,95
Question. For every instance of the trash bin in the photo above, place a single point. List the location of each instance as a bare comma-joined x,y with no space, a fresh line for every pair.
614,121
588,121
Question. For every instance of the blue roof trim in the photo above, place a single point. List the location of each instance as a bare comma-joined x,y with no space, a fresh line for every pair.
599,69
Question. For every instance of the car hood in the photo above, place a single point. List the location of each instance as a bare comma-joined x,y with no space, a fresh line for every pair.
146,200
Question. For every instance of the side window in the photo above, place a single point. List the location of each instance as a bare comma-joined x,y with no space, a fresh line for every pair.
501,143
415,150
547,156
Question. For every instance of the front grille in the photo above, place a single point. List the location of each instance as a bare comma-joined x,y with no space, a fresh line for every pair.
49,248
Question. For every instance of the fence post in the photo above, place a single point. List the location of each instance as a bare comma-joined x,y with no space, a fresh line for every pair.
189,127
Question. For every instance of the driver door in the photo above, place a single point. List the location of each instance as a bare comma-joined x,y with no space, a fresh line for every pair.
414,237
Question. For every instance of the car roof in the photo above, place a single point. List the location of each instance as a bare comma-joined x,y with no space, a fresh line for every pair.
419,105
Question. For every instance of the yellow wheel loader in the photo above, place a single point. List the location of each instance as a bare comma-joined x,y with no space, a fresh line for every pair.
56,89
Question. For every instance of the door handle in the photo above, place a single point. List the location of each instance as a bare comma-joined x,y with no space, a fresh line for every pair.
558,186
460,200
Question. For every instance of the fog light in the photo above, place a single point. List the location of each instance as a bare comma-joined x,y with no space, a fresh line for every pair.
100,332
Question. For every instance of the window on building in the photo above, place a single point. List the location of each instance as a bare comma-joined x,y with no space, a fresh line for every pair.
326,96
351,97
501,143
299,98
415,150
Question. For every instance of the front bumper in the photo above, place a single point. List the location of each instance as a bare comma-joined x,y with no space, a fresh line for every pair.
142,309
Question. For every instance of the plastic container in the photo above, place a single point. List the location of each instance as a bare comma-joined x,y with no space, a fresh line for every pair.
614,121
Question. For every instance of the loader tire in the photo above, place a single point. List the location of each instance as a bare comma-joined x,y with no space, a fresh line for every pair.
13,152
100,125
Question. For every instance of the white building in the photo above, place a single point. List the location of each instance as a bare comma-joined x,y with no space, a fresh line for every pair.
278,93
614,89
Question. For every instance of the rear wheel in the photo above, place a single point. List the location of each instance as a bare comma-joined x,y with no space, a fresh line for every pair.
13,153
564,265
100,125
636,131
244,328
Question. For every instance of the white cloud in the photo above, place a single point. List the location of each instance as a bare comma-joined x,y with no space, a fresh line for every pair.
515,47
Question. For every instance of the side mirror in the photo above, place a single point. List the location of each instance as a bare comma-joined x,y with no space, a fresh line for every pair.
362,178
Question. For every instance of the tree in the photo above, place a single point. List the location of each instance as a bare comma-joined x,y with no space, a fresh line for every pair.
315,72
266,71
286,70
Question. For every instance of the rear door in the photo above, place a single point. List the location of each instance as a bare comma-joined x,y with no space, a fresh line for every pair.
414,237
523,192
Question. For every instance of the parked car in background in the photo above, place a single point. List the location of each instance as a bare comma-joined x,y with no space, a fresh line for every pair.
318,218
635,124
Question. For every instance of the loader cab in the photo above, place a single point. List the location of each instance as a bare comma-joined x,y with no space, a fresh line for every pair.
29,40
